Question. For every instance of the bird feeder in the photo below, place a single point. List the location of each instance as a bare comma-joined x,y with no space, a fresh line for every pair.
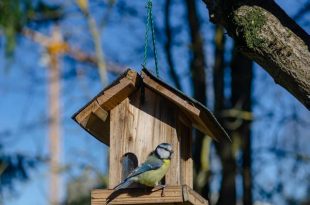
132,116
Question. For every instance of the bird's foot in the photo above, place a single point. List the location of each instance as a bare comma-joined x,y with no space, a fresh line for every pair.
160,187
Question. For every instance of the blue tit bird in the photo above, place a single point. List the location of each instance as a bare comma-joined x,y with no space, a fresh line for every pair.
152,170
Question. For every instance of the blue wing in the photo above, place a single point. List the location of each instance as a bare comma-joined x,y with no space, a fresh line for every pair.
151,163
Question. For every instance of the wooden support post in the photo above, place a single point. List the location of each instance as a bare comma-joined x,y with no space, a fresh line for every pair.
54,115
54,129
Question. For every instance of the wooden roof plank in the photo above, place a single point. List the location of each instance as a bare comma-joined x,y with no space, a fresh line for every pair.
200,116
112,95
193,197
116,94
98,128
170,95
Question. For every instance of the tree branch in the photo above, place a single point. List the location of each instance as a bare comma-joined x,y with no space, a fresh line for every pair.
266,34
168,46
74,53
92,25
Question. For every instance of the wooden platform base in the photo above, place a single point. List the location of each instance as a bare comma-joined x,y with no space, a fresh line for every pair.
170,195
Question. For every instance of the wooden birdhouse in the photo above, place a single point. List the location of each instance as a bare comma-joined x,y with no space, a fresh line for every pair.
132,116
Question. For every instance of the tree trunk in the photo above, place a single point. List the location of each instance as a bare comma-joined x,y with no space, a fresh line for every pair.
266,34
197,62
218,71
168,46
55,48
228,183
241,92
197,66
224,149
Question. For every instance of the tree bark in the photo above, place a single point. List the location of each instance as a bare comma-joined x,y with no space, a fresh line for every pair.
228,182
267,35
224,149
218,71
198,74
197,62
168,46
54,124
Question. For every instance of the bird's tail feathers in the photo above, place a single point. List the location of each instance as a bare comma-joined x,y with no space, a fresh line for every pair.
123,185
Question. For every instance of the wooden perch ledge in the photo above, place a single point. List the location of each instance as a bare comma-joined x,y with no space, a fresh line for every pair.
172,195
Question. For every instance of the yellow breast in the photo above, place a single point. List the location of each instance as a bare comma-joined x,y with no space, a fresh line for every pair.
151,178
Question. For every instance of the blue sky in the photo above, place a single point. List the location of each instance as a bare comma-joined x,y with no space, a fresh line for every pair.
24,100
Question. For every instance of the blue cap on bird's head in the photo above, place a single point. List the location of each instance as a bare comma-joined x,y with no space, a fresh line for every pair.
164,151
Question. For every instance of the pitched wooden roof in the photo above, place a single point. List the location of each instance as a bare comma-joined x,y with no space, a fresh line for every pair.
93,115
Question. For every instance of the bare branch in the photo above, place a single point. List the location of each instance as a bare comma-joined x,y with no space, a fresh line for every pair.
74,53
168,46
83,5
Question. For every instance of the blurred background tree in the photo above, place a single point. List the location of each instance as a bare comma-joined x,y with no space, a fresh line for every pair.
268,161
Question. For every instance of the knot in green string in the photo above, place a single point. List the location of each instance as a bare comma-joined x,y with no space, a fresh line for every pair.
150,26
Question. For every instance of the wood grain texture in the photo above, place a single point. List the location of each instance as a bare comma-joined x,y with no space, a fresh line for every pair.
138,128
104,102
84,114
170,95
111,96
198,115
98,128
172,195
189,195
186,171
116,94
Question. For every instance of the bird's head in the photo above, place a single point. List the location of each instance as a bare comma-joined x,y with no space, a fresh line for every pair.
164,151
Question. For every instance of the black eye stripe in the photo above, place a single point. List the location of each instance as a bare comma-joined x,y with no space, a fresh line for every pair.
165,148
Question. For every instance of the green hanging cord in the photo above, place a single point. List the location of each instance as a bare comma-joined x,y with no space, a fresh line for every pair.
146,36
150,25
153,40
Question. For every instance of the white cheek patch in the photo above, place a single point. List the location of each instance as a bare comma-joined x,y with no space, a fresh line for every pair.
163,153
